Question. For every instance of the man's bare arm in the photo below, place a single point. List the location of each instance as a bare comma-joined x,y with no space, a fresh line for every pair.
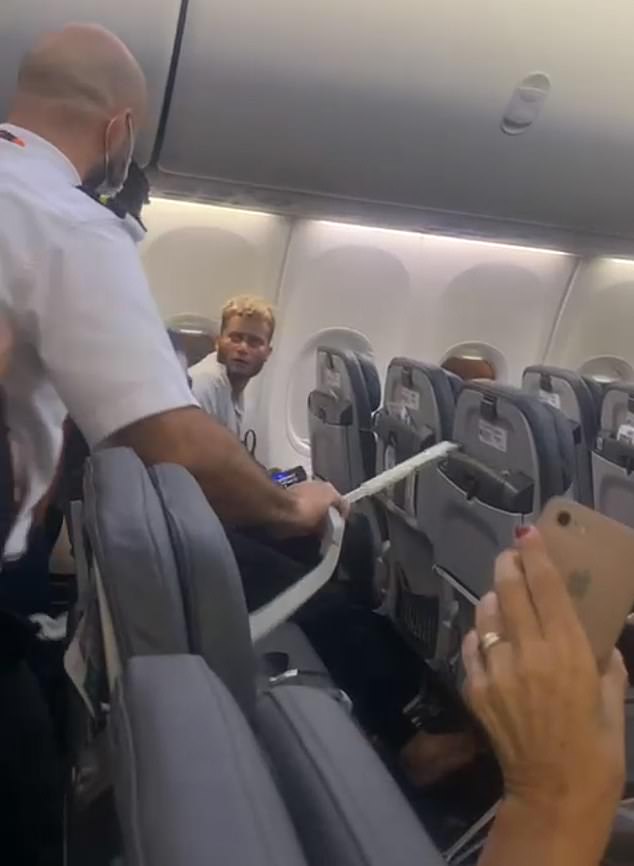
238,489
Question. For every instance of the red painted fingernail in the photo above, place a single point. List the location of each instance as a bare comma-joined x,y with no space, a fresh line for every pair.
522,531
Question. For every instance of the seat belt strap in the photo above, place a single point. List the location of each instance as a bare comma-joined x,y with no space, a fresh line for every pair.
267,618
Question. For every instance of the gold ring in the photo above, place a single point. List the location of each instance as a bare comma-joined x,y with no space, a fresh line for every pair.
489,640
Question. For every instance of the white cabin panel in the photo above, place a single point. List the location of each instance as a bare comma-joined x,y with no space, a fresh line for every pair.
348,284
597,321
198,256
500,300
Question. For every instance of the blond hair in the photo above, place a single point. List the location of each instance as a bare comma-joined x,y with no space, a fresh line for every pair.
250,307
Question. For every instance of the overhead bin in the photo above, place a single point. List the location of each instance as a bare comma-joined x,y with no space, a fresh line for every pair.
509,111
148,27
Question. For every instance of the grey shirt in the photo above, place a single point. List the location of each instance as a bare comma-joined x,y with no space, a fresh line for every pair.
212,389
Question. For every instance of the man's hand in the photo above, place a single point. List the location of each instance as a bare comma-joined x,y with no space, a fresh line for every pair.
310,504
239,490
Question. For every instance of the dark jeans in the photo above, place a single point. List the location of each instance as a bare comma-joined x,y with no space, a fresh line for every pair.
31,773
32,711
361,650
25,585
268,566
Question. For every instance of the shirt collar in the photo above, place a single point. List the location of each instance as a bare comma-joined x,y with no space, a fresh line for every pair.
46,152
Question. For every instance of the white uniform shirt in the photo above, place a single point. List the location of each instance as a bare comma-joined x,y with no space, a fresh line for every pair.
88,337
212,389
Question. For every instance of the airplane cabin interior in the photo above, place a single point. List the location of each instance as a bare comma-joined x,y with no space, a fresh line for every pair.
438,201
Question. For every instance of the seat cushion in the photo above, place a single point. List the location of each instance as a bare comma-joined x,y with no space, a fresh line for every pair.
347,808
192,788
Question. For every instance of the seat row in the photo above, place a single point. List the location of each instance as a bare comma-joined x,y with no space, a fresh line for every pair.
558,435
220,751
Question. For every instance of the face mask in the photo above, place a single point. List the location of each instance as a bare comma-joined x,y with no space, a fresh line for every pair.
115,171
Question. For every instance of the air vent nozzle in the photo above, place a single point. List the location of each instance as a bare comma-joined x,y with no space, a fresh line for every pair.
526,103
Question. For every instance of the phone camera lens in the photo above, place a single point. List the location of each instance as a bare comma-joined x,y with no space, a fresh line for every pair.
563,518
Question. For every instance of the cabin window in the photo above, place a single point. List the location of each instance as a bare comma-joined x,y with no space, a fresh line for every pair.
607,368
469,367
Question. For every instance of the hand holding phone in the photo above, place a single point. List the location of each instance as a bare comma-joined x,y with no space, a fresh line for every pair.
595,556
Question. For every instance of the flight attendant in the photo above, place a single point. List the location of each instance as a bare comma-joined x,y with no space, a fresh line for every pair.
89,342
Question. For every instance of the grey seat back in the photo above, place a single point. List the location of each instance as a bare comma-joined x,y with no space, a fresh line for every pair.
191,783
340,411
167,735
346,807
168,573
516,454
613,457
597,390
570,393
417,412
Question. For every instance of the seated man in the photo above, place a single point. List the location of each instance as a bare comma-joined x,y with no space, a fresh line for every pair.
244,346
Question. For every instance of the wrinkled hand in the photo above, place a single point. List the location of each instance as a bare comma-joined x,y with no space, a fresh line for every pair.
311,502
556,724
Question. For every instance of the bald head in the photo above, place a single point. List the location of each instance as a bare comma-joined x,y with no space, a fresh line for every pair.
84,67
82,90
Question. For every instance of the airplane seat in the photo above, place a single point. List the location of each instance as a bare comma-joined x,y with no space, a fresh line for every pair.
340,411
613,457
191,783
516,453
343,451
417,413
572,395
169,577
196,784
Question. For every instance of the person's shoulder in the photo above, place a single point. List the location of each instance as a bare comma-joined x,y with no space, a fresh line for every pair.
208,367
203,380
60,206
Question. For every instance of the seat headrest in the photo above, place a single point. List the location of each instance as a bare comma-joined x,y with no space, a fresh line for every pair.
555,385
617,404
433,389
353,376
